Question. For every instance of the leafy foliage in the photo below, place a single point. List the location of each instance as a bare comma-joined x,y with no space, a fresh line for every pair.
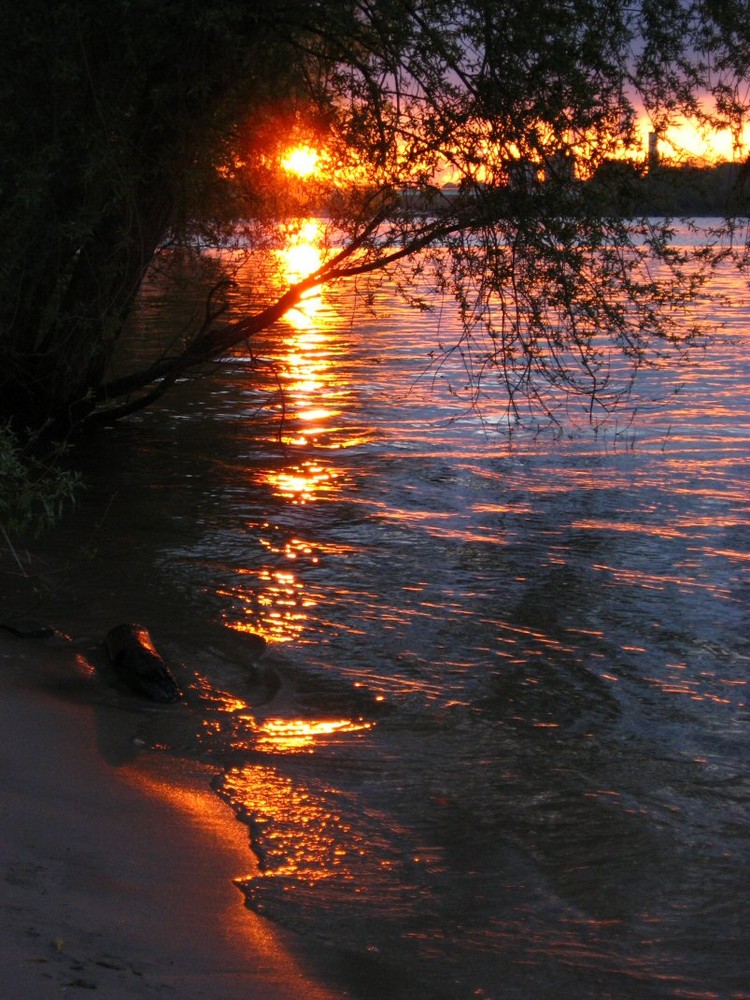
33,492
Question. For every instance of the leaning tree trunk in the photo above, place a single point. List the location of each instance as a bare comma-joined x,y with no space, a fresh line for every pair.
57,354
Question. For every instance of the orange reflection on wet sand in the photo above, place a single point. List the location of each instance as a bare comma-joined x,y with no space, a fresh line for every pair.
208,851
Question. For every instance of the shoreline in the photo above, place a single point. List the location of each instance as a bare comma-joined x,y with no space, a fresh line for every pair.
118,864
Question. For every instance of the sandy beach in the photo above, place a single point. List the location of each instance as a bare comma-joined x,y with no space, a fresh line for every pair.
118,865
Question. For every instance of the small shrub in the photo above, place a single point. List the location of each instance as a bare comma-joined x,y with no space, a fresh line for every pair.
33,491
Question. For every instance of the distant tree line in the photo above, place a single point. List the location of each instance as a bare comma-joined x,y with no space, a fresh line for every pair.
628,189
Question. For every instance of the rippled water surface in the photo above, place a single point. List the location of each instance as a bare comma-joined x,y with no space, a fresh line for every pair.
500,743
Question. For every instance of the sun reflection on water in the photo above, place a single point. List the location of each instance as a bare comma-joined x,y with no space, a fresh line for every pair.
301,257
307,361
280,808
284,736
304,483
273,599
276,606
313,394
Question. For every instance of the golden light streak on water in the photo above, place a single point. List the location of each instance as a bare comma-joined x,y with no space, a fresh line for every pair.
276,605
293,548
213,696
304,483
275,599
299,735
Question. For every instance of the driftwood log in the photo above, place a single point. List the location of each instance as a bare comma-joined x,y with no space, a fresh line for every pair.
138,665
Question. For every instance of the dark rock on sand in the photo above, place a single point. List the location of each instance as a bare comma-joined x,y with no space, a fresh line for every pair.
139,665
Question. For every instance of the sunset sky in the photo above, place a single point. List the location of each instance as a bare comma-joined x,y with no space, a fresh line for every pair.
684,142
690,142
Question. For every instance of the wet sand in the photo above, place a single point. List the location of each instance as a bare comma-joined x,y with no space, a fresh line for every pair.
117,865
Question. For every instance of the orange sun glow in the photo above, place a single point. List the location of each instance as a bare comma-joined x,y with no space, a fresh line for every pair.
303,161
686,139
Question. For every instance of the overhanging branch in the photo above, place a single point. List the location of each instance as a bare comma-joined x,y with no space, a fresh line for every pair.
141,388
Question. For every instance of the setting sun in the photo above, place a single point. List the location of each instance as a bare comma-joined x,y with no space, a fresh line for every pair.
301,160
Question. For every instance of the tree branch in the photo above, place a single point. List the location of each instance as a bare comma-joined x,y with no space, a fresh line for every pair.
211,341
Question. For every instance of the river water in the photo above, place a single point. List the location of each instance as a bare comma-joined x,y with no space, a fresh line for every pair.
498,747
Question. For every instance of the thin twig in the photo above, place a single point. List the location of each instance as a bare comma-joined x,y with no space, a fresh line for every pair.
12,550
